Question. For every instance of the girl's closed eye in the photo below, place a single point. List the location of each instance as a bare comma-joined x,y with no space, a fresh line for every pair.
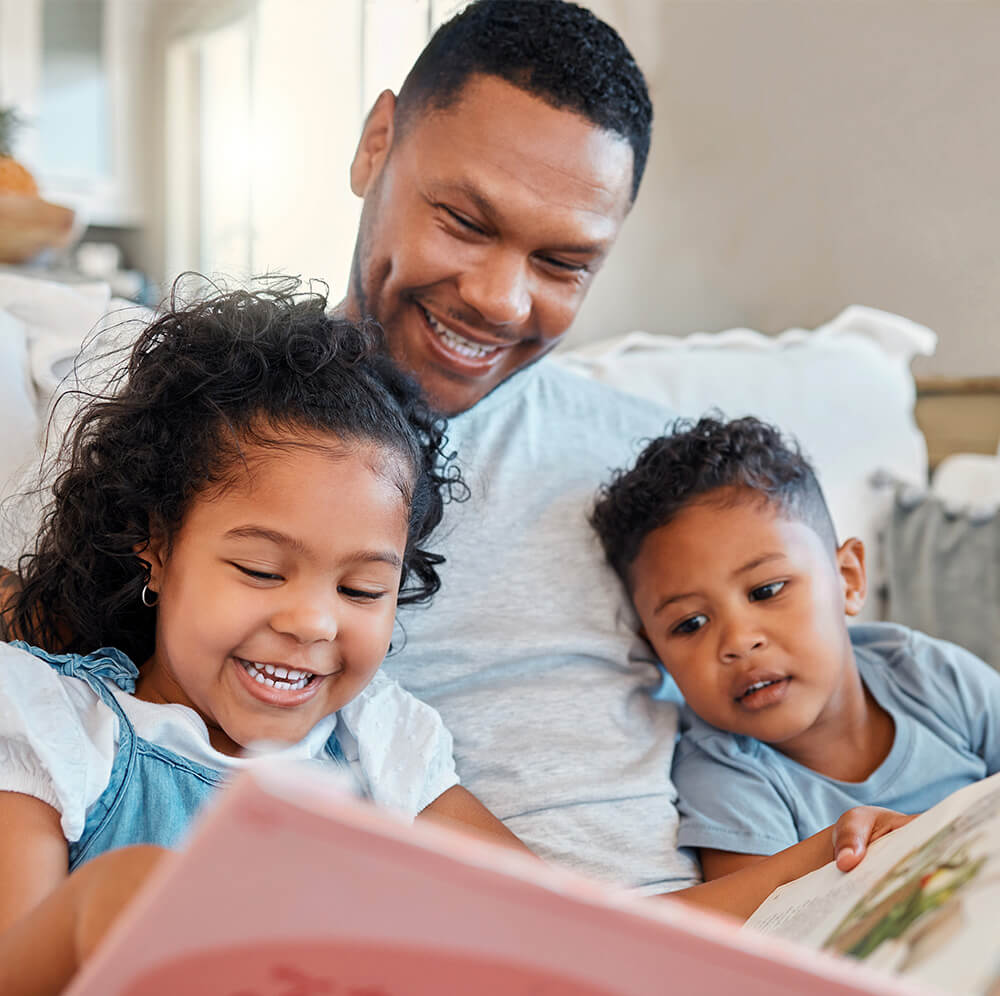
690,625
257,575
765,591
361,593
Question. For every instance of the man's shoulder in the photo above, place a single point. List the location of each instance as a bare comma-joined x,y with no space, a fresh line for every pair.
575,394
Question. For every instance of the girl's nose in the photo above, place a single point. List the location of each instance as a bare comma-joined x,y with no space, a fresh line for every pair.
307,620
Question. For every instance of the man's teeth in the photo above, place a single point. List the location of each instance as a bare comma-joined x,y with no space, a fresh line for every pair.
286,678
459,344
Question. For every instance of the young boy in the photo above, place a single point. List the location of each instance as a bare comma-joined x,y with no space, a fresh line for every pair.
723,539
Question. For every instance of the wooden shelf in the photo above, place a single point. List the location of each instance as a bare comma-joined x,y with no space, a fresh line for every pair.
958,415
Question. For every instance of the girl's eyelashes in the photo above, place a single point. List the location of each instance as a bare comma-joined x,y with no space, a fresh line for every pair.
257,575
690,625
370,596
766,591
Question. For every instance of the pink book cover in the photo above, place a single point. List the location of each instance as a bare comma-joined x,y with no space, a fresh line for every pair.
290,887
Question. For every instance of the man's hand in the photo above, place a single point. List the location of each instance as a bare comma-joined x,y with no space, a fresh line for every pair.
860,827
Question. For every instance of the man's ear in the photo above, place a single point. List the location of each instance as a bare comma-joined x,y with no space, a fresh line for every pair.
374,144
153,553
854,579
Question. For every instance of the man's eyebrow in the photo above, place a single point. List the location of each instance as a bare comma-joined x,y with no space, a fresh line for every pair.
290,542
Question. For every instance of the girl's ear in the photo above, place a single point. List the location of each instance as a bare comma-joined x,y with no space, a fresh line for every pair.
373,147
854,579
153,553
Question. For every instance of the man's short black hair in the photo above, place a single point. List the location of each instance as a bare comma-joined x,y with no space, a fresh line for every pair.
695,461
554,50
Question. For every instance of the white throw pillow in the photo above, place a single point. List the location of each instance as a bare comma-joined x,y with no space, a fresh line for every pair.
845,391
19,438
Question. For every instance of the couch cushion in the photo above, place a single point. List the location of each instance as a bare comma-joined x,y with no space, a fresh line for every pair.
845,391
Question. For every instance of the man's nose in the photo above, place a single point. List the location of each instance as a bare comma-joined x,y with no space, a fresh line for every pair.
308,619
498,288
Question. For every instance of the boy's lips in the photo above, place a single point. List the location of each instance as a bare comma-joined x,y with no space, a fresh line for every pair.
760,689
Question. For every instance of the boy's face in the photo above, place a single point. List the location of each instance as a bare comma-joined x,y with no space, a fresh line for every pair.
746,611
482,229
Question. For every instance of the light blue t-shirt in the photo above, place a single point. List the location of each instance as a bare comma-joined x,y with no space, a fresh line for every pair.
738,794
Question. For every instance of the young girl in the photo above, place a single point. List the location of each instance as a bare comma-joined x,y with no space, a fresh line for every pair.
220,566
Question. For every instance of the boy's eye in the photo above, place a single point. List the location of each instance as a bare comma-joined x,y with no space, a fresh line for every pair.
370,596
766,591
690,625
257,575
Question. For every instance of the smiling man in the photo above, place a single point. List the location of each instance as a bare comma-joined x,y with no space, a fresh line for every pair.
494,188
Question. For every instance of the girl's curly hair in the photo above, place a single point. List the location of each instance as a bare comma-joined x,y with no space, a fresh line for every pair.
201,382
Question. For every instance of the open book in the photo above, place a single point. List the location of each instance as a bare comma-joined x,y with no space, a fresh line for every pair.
923,903
291,887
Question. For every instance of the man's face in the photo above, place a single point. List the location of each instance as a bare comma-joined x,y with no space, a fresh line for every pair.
482,228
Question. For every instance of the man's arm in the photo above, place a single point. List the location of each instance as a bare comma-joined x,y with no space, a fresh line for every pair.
743,890
459,808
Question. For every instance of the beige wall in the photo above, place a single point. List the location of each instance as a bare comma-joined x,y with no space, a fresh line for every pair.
809,154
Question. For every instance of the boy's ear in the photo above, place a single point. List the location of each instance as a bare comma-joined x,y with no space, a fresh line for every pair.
153,553
854,579
374,144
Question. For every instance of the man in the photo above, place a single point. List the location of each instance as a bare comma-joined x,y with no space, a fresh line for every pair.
494,187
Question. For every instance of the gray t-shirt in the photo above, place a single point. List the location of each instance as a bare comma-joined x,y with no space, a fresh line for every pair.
741,795
529,651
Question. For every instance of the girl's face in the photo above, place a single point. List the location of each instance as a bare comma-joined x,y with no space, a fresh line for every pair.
277,596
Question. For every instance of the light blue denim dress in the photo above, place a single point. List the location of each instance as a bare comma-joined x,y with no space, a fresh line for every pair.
153,793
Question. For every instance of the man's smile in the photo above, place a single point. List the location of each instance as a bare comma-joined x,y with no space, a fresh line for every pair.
467,355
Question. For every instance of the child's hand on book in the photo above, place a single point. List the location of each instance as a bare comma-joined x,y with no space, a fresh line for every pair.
858,828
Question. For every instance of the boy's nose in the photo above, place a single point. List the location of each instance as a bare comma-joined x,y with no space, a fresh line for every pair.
739,645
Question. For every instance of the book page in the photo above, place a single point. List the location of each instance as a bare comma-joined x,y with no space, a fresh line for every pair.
922,903
288,887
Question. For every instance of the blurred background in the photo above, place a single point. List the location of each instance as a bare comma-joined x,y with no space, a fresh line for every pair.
808,154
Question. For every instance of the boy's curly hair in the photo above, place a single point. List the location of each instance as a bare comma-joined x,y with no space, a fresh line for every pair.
203,381
695,461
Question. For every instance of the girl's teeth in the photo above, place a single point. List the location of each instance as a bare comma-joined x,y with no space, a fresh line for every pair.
277,677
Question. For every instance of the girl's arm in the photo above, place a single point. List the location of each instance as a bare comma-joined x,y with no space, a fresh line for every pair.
743,890
460,809
42,951
33,854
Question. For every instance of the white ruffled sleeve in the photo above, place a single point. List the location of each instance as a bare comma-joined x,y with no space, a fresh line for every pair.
57,738
398,746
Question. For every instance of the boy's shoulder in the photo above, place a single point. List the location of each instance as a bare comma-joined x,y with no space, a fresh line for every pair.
905,649
702,739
